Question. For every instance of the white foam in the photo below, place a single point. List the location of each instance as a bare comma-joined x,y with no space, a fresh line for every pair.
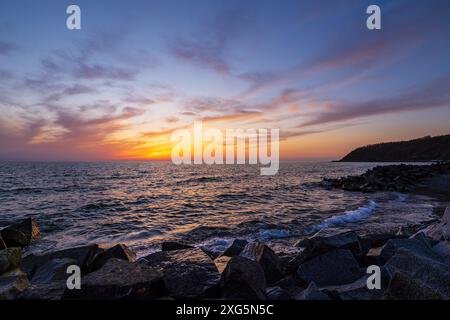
274,234
349,216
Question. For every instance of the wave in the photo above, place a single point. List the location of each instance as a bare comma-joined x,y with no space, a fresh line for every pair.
274,234
349,216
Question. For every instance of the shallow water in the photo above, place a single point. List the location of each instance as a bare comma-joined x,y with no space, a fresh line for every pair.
143,203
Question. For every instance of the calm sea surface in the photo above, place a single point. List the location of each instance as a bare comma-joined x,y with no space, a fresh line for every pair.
144,203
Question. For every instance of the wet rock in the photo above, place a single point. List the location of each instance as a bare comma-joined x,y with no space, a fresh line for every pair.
10,259
44,291
404,287
332,268
52,270
374,240
21,234
172,245
243,279
12,284
324,241
119,279
357,290
118,251
188,273
268,260
425,271
277,293
312,293
2,243
235,248
82,255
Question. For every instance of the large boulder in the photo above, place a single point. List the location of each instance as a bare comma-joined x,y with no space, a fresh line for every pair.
44,291
118,251
83,256
243,279
404,287
12,284
277,293
443,250
235,248
53,270
324,241
2,243
10,259
356,290
291,285
172,245
188,273
119,279
418,244
423,269
332,268
268,260
21,234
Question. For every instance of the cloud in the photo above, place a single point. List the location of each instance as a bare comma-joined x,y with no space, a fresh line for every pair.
207,47
428,95
7,47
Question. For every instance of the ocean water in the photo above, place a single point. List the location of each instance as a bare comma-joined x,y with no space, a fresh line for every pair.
143,203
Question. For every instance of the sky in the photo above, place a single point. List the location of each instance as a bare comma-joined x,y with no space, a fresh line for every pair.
138,70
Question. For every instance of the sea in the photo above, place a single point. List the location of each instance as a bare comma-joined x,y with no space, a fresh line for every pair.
142,204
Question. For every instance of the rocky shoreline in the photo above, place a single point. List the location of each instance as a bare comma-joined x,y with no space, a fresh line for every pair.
330,265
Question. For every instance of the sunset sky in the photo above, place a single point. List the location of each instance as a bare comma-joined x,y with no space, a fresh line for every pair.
137,70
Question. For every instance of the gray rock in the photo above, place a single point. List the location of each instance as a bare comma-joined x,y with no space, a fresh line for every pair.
291,285
84,257
44,291
404,287
443,250
332,268
423,269
235,248
416,245
21,234
188,273
243,279
119,279
172,245
52,270
118,251
357,291
312,293
12,284
10,259
324,241
268,260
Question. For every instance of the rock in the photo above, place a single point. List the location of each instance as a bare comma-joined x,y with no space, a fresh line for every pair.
21,234
425,271
277,293
10,259
172,245
53,270
291,285
118,251
188,273
443,250
268,260
312,293
374,240
82,255
357,290
12,284
403,287
332,268
416,245
119,279
235,248
221,262
324,241
433,231
243,279
44,291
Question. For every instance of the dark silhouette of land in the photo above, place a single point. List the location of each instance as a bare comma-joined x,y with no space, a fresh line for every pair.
423,149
